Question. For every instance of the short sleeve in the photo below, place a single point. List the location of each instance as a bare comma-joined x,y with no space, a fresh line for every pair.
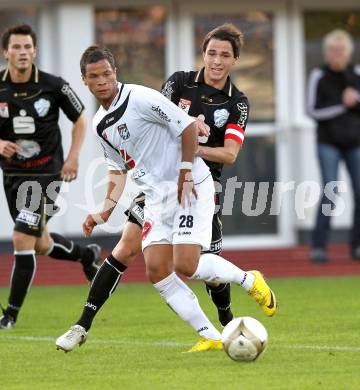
237,121
69,101
154,107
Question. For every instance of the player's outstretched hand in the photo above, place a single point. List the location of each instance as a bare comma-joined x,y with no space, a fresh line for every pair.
70,170
8,148
186,188
93,220
89,224
203,128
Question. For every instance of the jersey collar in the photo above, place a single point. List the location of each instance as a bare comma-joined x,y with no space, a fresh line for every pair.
34,75
227,87
118,95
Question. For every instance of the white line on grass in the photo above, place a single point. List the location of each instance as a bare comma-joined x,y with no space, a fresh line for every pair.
101,341
176,344
318,347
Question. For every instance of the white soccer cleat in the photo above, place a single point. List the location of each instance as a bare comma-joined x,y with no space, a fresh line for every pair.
75,336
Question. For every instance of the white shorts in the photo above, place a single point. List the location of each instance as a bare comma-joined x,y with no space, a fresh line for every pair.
166,222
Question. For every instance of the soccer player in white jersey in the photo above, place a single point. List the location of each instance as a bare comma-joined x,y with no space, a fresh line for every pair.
141,131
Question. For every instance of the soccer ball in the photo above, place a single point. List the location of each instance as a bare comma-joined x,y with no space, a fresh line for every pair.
244,339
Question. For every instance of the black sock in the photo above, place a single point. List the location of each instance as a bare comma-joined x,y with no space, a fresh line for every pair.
65,249
220,295
103,285
23,273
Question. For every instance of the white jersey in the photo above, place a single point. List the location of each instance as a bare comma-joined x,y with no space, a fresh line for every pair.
141,131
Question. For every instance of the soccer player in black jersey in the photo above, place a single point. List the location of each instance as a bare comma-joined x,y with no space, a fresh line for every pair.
210,94
31,158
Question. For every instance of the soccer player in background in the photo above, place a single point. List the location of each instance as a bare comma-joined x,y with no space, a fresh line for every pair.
31,158
172,236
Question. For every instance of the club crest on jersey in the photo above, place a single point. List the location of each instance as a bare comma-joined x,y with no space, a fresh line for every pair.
4,110
123,131
220,117
185,104
42,106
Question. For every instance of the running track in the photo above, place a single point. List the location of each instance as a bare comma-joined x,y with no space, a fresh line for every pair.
288,262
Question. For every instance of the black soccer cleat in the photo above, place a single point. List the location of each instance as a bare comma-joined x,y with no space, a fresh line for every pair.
6,321
91,269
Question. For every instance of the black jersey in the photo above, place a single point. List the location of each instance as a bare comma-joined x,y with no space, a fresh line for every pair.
226,111
336,124
29,114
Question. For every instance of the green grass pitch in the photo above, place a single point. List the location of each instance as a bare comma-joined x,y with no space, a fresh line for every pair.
136,341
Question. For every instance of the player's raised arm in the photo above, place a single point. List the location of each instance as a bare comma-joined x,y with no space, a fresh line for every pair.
233,137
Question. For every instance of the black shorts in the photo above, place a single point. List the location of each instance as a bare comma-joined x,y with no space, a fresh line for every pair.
135,214
31,201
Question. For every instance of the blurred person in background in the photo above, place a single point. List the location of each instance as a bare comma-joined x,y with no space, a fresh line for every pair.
31,158
334,103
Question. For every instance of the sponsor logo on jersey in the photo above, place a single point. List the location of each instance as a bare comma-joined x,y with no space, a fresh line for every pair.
23,124
138,174
32,219
220,117
42,106
185,104
123,131
167,91
4,110
29,149
184,234
161,113
34,163
242,107
146,228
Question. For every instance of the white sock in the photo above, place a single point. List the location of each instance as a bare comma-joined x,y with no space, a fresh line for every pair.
214,268
184,302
